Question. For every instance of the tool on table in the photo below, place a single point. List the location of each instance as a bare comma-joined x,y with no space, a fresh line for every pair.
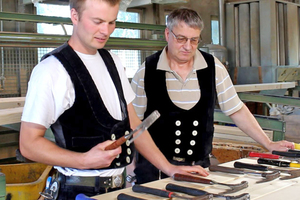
165,193
294,150
297,146
293,173
196,179
83,197
51,189
277,163
266,176
287,153
273,156
141,128
198,192
123,196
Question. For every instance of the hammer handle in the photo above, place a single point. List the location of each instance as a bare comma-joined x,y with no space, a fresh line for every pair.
250,166
183,177
186,190
231,170
116,143
123,196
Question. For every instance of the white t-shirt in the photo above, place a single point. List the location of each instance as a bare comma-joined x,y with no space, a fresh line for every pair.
51,92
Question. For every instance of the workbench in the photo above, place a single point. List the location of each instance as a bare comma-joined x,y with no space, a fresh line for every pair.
273,190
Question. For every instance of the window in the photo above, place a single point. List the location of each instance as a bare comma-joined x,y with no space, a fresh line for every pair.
52,10
131,59
215,30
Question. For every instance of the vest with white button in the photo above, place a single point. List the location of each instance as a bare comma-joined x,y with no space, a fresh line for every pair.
88,122
181,135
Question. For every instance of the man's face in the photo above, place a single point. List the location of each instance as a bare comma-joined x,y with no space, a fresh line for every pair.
94,26
182,50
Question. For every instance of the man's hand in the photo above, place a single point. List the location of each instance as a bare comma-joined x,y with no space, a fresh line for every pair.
181,169
97,157
282,145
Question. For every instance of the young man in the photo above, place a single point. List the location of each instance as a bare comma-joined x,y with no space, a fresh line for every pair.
81,91
182,83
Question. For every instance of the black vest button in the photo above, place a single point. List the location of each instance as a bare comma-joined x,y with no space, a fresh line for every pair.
113,136
128,159
177,150
178,123
177,141
128,151
178,132
195,123
195,133
192,142
189,152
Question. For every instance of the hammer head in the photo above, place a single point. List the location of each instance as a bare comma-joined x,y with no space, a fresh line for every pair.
203,197
269,176
292,174
235,187
244,196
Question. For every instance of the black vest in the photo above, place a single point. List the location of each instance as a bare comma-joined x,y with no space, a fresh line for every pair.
88,122
181,135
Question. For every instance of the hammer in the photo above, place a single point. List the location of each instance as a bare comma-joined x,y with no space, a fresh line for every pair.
166,193
196,179
293,173
266,176
198,192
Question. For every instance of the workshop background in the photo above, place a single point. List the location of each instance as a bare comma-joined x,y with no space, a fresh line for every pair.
257,40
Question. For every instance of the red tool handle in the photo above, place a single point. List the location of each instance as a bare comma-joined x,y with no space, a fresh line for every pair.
183,177
116,143
263,155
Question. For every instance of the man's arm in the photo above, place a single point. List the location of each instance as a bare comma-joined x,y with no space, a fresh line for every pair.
146,146
244,119
35,147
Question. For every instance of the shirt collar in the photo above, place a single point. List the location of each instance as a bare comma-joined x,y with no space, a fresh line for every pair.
163,63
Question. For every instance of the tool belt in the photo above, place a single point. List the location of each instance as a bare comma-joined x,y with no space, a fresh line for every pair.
181,161
99,184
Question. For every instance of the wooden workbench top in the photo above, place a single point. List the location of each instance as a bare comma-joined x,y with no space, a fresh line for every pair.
273,190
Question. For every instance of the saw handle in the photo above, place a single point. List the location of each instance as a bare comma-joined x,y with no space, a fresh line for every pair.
147,190
123,196
263,155
183,177
250,166
186,190
231,170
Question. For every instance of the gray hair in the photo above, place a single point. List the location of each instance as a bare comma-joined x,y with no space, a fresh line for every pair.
186,15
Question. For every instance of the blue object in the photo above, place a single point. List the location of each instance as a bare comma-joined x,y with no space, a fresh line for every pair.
49,179
83,197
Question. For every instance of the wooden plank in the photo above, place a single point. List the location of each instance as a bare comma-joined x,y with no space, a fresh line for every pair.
234,133
12,102
10,115
264,86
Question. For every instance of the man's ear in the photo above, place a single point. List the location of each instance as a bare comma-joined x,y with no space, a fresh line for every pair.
167,32
74,16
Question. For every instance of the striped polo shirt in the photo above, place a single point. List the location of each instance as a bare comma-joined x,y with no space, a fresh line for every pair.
186,93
